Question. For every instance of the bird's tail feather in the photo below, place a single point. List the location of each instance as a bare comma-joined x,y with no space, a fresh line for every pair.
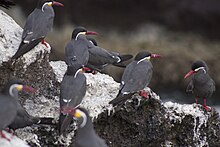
64,122
7,4
46,121
121,98
25,47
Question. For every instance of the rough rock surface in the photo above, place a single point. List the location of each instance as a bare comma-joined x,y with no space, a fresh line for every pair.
152,123
14,141
139,122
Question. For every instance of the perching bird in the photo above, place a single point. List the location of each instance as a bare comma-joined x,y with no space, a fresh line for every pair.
72,91
76,51
38,24
100,58
86,135
8,104
6,3
137,75
201,84
23,119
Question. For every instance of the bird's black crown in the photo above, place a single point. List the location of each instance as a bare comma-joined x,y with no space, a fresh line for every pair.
199,63
11,82
77,30
93,41
42,2
142,55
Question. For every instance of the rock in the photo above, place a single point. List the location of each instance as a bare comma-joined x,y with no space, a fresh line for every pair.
152,123
139,122
34,69
14,141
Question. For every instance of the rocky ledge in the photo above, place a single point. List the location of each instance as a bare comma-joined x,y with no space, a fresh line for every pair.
139,122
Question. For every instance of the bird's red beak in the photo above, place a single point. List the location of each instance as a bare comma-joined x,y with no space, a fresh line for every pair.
28,89
155,56
91,33
67,110
57,4
191,72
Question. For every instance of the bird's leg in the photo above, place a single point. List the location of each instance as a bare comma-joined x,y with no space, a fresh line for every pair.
3,136
144,94
44,43
205,106
12,131
196,100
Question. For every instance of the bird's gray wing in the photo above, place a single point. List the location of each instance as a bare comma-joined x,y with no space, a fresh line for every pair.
190,87
71,94
137,76
38,24
76,53
23,119
6,3
213,85
8,110
99,56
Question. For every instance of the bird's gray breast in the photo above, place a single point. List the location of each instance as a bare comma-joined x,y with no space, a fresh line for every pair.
73,89
76,52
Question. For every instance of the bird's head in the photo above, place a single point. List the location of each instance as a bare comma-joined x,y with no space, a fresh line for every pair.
16,85
81,31
145,55
196,67
79,113
74,70
93,41
42,3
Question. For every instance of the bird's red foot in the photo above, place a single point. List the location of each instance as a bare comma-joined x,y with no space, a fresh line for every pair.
44,43
196,100
144,94
206,108
67,110
88,70
11,131
3,136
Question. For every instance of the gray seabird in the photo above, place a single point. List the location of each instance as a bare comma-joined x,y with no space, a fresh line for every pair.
38,24
86,135
23,119
137,75
201,84
72,91
100,58
76,51
8,104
